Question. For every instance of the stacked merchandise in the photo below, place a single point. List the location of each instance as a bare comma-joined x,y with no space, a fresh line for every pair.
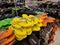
28,30
48,30
51,8
26,27
6,37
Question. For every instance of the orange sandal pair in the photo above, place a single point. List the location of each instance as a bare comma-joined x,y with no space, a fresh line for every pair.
6,37
6,34
8,40
46,19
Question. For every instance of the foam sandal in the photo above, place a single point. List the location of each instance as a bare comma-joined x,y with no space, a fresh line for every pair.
11,38
8,33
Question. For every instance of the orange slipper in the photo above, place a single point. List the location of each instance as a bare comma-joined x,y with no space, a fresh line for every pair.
8,40
6,34
11,42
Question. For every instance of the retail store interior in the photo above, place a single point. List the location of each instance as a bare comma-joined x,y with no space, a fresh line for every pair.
29,22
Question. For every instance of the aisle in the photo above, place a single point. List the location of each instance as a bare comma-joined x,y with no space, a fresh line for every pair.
57,38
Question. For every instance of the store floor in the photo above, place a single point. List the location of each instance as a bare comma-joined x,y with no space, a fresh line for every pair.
57,38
